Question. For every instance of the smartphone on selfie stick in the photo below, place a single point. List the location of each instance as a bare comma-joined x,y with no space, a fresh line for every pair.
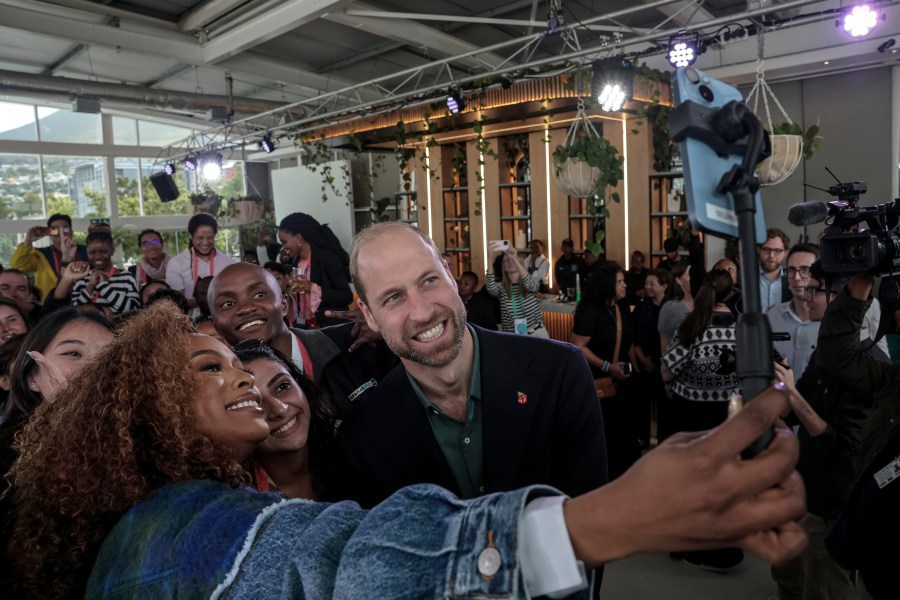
721,142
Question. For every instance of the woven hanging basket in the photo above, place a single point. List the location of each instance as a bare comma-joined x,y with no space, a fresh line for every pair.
787,150
577,178
247,211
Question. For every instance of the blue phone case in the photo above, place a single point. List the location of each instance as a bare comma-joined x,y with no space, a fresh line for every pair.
708,210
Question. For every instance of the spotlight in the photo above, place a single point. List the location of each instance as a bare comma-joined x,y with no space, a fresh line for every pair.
169,168
190,162
612,83
455,102
683,50
859,20
211,166
267,144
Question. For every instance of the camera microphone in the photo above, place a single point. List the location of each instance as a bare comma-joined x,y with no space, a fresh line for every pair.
808,213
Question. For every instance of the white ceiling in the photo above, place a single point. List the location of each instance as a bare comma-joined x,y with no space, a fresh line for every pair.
289,51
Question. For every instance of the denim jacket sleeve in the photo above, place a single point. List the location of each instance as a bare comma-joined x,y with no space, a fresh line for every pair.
422,542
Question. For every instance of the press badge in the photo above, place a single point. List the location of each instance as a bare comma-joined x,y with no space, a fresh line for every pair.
888,473
521,326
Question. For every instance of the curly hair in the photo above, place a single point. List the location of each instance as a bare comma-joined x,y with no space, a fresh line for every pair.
121,428
323,415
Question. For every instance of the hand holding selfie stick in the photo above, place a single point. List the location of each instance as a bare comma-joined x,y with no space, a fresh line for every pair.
732,130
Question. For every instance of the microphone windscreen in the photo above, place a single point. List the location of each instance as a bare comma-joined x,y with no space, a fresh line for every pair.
807,213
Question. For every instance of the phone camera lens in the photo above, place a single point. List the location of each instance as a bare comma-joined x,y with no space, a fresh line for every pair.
706,93
692,75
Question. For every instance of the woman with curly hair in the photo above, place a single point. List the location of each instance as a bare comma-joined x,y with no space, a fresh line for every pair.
295,458
133,487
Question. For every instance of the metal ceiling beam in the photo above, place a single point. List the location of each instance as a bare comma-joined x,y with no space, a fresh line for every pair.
473,19
273,23
415,34
319,110
390,46
207,12
684,13
181,47
111,11
132,95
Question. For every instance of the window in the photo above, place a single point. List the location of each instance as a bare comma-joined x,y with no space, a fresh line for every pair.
57,125
20,187
75,185
160,134
124,131
17,122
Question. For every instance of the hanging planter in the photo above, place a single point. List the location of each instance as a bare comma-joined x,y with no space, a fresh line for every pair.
787,139
586,164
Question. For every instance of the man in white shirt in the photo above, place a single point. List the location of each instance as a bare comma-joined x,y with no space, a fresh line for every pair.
537,264
792,317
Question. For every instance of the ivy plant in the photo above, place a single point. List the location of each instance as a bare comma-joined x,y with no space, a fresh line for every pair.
812,141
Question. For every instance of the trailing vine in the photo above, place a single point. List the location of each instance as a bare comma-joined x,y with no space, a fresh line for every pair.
484,149
317,156
404,154
657,116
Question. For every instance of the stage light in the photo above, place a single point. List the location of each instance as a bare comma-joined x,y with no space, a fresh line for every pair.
683,50
455,102
190,162
612,83
267,144
169,168
211,166
859,20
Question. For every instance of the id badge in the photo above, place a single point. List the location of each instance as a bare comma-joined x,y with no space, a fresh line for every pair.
521,326
889,473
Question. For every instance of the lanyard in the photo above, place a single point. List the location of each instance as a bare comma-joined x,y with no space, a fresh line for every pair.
212,265
304,356
55,261
112,271
515,296
143,274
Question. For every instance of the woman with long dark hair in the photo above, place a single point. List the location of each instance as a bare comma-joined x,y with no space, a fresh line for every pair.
320,267
296,457
700,364
603,330
515,288
648,385
673,313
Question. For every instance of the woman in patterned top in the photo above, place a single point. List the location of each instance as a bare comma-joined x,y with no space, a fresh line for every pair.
700,364
515,287
702,382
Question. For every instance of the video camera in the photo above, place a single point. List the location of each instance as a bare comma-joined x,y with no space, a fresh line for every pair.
874,250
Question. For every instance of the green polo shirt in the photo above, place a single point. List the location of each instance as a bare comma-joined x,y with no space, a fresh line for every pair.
461,443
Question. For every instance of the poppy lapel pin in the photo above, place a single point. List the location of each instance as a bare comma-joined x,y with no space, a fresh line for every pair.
522,398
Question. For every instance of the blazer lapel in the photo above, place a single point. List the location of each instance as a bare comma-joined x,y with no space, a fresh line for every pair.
509,396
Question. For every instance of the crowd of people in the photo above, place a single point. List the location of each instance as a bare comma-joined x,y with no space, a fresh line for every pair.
199,425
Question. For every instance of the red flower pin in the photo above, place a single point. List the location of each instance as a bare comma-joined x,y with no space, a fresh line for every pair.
523,398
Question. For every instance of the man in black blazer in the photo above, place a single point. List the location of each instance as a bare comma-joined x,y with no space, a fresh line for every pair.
471,410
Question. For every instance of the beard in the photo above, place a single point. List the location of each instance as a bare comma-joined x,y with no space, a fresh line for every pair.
436,357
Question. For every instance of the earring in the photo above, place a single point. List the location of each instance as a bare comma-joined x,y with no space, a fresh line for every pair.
33,386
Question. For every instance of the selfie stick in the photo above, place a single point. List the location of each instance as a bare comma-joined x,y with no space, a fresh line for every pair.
734,126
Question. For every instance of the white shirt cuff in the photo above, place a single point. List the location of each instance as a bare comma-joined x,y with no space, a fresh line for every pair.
545,550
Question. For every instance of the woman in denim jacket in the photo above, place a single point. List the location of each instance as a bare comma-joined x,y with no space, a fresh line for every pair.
132,485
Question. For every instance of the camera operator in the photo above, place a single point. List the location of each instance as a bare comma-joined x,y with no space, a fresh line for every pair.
866,536
831,421
48,263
